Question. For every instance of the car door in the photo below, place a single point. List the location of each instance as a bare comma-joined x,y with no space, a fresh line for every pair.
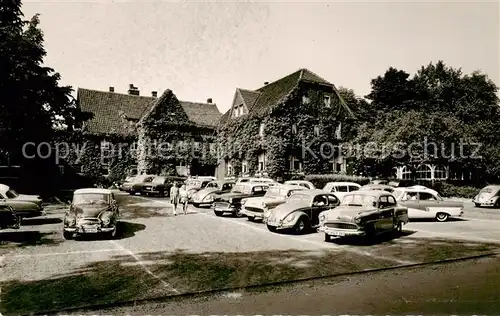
320,203
226,187
386,213
410,200
426,200
259,191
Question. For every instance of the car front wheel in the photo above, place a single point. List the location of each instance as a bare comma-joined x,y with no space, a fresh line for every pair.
442,217
327,237
114,233
301,226
271,228
217,213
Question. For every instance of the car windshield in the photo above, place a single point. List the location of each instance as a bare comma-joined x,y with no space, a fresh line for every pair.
328,187
194,183
11,194
398,194
274,192
159,180
359,200
487,190
90,198
129,179
238,189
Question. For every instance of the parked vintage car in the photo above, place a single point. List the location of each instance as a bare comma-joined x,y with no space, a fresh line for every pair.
207,195
141,183
258,208
363,213
9,218
425,203
380,187
301,211
125,183
231,202
194,185
341,188
302,183
380,181
159,186
488,196
92,211
128,186
25,206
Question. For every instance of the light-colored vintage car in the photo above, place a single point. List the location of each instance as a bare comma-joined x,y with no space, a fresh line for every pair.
92,211
268,181
341,188
380,187
301,211
425,203
302,183
488,196
231,202
258,208
363,213
208,194
25,206
194,185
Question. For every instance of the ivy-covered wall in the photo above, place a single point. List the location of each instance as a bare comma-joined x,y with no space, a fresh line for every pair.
239,138
168,138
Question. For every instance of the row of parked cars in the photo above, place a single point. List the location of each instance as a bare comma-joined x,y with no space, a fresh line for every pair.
338,209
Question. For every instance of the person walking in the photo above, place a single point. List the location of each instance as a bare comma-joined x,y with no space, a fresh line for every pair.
174,197
183,198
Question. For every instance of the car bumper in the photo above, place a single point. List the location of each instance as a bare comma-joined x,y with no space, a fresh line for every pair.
256,215
278,225
482,203
224,208
81,230
336,232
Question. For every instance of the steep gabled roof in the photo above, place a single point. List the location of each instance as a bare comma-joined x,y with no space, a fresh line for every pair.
112,111
249,97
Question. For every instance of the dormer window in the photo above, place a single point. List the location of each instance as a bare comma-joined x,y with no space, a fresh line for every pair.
261,129
305,99
327,101
294,129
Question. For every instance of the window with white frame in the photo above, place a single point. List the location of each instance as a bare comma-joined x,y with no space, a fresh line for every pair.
196,145
212,147
244,167
424,172
295,164
440,173
305,99
327,101
261,129
106,153
316,130
294,128
338,131
406,173
181,145
262,162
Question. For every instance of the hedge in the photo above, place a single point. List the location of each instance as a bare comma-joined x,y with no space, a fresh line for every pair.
451,190
320,180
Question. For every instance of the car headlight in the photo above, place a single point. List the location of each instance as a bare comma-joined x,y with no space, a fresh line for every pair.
357,219
70,220
264,205
322,217
106,218
230,201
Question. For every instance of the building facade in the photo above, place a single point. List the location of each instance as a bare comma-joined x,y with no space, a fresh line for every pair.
121,138
288,127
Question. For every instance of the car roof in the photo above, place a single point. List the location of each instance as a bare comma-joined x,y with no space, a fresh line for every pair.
343,183
253,184
380,186
93,190
315,192
296,181
416,189
492,186
223,181
375,193
4,188
289,187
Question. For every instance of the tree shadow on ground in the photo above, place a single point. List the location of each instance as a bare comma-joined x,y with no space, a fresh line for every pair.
41,221
21,238
432,220
157,274
387,237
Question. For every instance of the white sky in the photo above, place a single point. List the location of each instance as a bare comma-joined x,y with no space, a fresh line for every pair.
202,50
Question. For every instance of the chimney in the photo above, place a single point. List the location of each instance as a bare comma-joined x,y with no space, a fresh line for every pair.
154,94
266,83
111,89
133,90
209,100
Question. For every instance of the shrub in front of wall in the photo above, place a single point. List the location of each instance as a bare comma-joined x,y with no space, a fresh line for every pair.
459,191
320,180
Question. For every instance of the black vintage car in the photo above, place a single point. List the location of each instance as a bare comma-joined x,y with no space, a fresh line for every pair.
159,186
231,202
137,186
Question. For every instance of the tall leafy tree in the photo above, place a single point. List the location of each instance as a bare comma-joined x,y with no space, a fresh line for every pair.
31,101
